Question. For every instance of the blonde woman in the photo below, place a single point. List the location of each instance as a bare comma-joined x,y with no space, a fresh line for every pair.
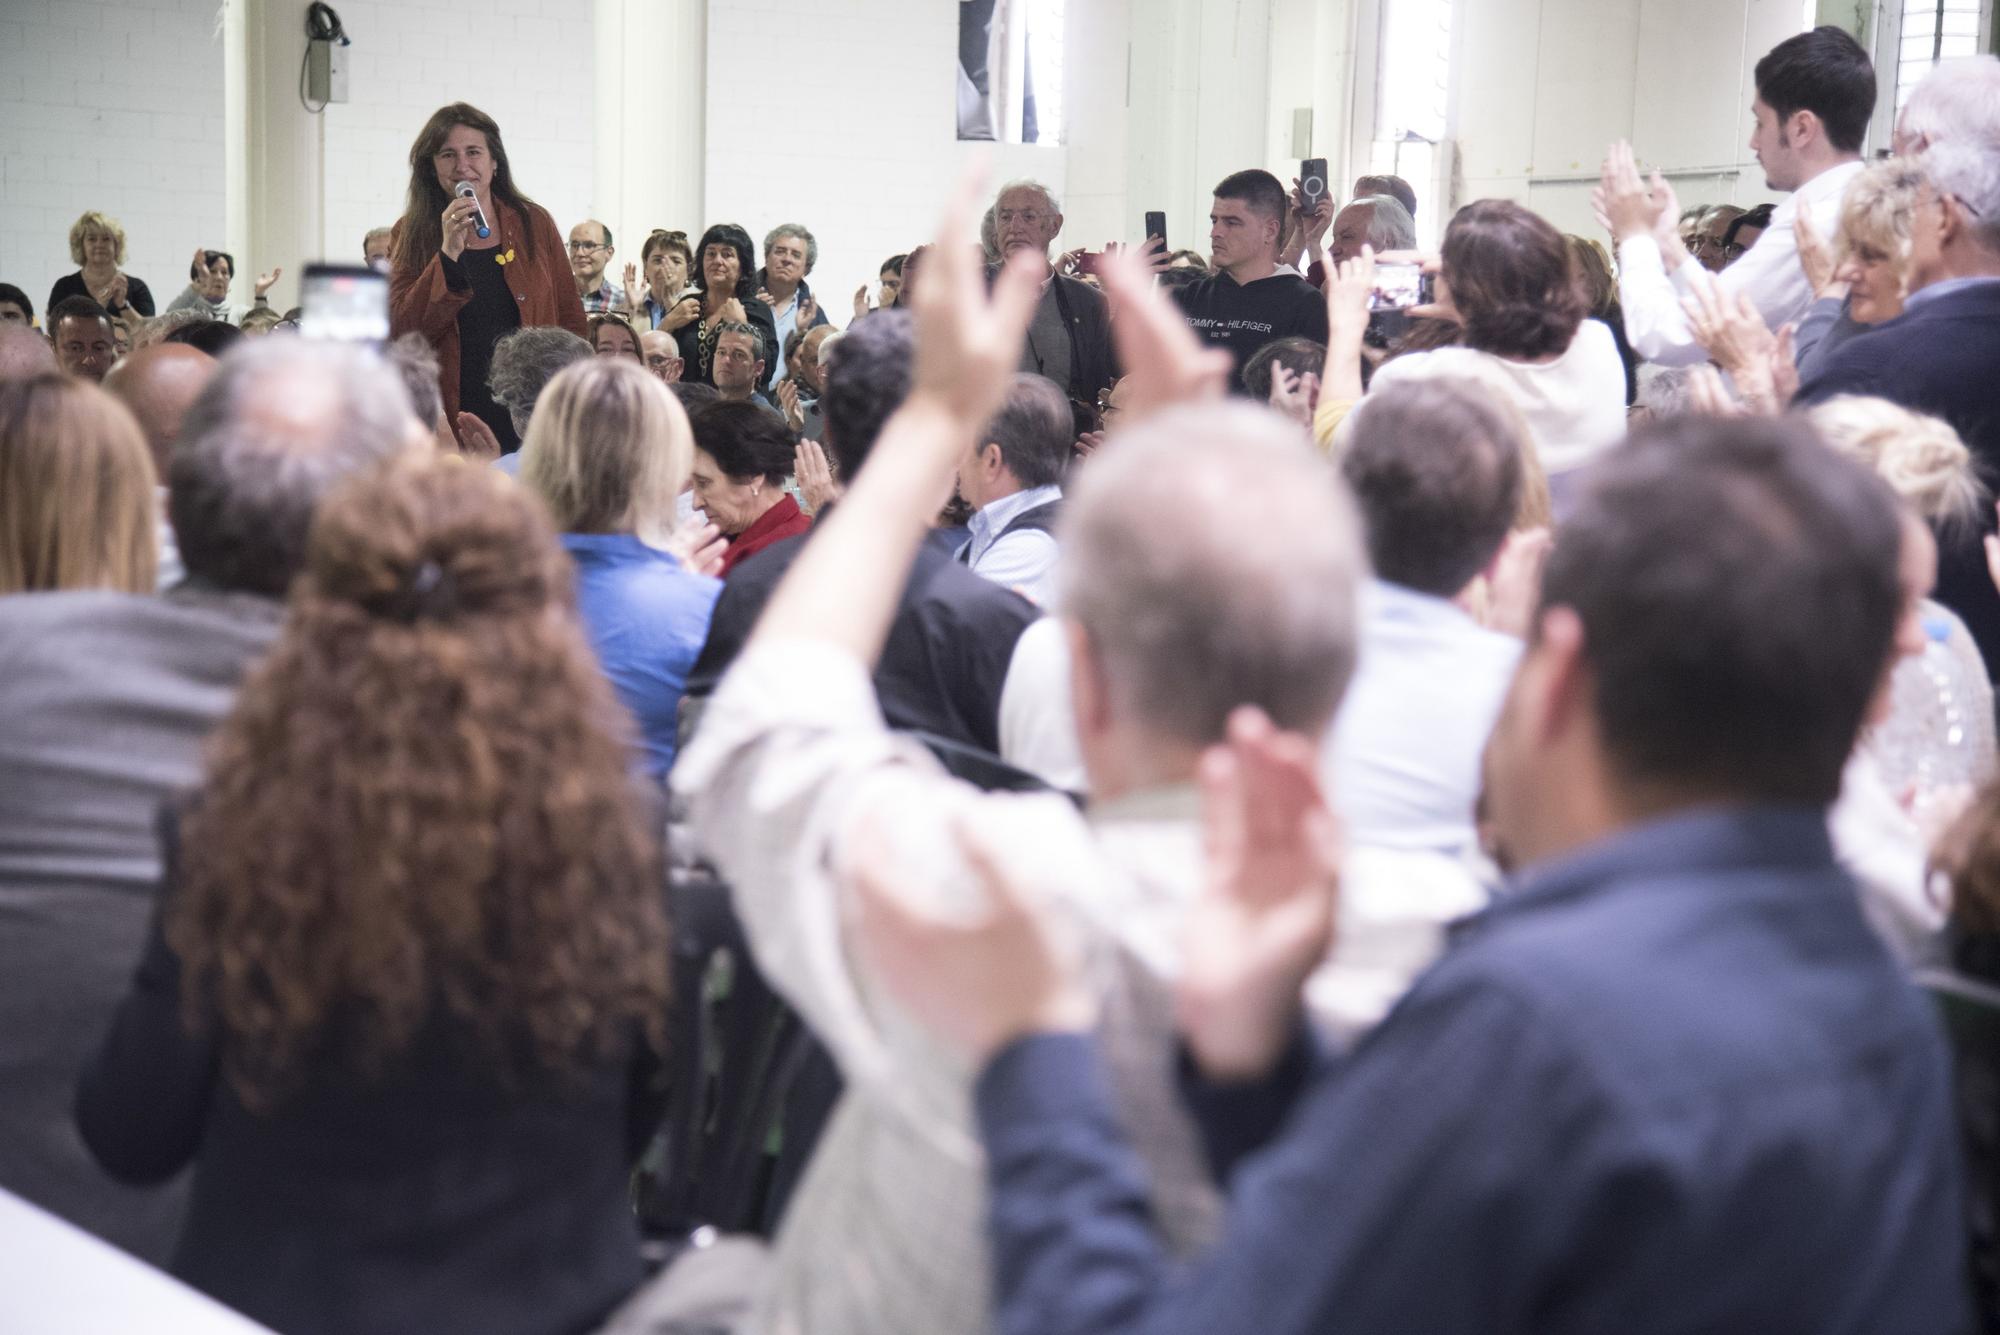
1931,743
1863,279
608,450
76,490
97,245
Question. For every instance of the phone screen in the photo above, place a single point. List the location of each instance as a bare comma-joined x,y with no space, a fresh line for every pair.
1397,287
344,304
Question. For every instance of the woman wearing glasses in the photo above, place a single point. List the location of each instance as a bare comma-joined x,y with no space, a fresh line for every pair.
460,290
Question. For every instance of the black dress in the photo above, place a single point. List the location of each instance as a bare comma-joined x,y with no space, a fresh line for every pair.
490,315
72,285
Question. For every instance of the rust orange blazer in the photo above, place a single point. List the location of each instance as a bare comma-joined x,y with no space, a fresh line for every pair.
421,302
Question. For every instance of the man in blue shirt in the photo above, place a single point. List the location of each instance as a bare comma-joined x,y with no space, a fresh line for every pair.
1012,480
1669,1082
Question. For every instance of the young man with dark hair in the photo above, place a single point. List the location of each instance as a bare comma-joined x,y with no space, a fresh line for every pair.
1012,479
1669,1081
15,308
1815,95
1248,300
1436,470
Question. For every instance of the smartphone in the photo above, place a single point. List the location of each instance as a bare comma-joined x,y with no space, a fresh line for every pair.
1088,261
1156,225
1399,287
1312,183
344,303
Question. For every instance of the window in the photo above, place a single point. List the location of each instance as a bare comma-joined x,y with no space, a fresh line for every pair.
1010,70
1935,30
1412,94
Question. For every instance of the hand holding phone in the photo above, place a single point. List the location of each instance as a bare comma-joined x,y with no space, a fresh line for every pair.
346,303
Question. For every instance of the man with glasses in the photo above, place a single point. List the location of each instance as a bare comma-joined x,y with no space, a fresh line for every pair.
590,252
1069,339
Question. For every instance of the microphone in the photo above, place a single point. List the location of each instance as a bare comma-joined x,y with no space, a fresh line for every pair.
464,190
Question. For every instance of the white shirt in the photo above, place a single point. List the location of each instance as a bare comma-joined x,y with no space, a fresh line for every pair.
1574,405
886,1235
1402,760
1769,273
1037,719
1025,560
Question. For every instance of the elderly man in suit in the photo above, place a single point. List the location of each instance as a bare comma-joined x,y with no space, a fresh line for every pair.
108,698
1938,356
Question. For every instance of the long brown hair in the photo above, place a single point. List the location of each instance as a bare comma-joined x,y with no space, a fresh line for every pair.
77,506
422,231
420,808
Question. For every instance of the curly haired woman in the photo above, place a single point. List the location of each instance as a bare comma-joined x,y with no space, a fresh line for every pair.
403,998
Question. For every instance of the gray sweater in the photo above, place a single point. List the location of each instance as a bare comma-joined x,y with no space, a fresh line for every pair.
106,699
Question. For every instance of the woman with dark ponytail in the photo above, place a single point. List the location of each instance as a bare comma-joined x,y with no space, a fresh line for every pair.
1507,279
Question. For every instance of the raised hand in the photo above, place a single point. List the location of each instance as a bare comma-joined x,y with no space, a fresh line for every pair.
788,399
862,304
1292,394
700,546
476,439
266,281
631,286
1622,199
1515,589
1785,366
1088,444
977,980
672,369
1707,395
1729,326
1349,287
765,296
1816,259
1265,917
683,313
458,225
808,312
815,476
1168,363
968,342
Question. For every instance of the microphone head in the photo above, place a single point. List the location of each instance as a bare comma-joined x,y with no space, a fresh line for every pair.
463,190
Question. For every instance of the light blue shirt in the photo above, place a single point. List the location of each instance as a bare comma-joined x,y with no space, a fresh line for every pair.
786,320
1024,561
1945,289
1403,756
647,617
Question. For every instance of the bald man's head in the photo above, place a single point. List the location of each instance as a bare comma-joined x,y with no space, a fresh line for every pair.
24,352
158,384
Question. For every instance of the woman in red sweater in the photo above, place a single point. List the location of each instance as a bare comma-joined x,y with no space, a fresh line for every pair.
460,290
742,456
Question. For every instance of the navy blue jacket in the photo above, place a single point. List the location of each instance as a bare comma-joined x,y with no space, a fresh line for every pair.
1668,1083
1941,356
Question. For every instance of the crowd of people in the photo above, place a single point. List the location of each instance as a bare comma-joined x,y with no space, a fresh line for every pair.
1308,786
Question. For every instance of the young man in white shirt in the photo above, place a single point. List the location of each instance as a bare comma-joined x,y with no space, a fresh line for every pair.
1013,480
1815,96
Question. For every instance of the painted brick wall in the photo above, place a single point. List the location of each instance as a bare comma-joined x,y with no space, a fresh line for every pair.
526,63
840,114
116,108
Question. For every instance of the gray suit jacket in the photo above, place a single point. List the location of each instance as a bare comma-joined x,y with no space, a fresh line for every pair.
105,700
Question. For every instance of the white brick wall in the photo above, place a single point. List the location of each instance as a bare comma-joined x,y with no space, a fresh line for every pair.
116,108
840,114
526,63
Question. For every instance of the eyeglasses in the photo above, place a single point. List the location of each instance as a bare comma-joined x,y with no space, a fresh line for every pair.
585,247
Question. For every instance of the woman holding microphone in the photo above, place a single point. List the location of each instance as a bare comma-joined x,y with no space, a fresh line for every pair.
460,290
